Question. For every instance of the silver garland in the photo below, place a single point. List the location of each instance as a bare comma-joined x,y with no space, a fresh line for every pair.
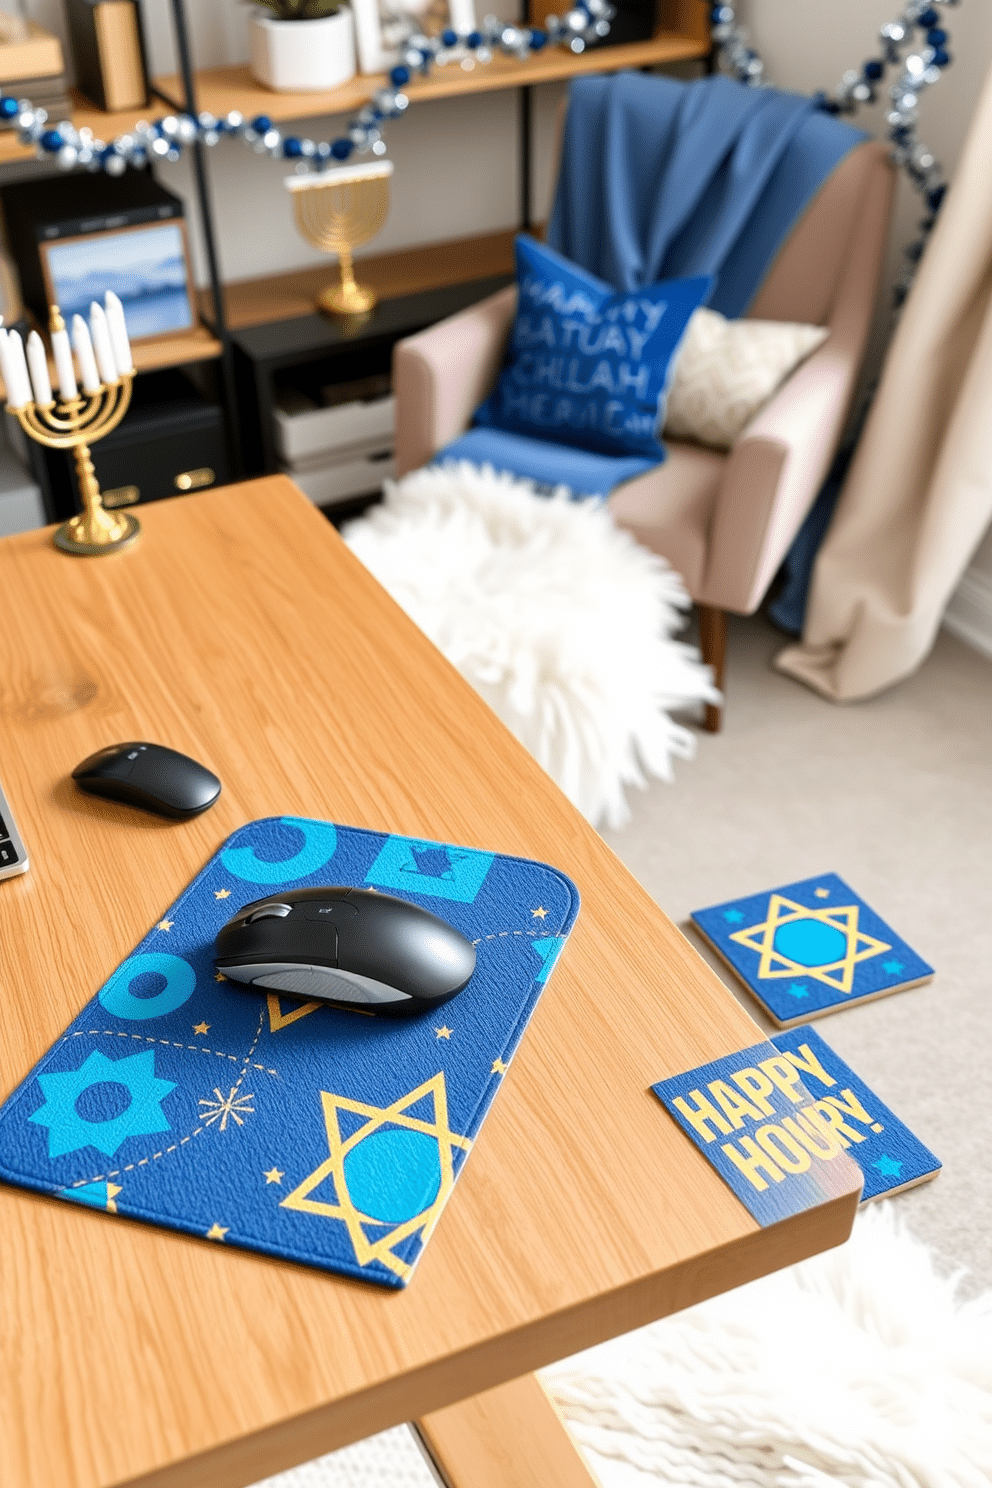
164,139
919,69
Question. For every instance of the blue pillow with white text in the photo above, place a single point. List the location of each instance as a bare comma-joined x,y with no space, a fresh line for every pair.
589,366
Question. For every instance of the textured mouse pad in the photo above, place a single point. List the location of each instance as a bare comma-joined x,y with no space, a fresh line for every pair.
306,1132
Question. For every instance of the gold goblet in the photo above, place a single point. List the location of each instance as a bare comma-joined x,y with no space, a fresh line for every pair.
338,211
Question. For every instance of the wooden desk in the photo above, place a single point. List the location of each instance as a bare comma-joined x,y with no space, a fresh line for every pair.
242,631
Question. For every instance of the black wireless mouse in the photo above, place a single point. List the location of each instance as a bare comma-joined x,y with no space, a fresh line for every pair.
150,776
351,947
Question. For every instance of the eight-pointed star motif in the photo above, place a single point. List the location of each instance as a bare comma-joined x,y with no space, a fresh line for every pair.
102,1124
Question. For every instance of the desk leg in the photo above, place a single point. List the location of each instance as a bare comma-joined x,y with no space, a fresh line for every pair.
510,1437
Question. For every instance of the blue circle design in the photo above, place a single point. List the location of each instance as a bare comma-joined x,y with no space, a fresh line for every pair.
393,1175
811,942
104,1101
180,984
320,841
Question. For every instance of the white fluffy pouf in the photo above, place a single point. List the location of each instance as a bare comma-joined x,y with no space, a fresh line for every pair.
859,1368
560,620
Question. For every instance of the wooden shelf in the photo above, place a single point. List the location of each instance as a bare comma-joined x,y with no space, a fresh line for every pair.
221,89
249,302
171,351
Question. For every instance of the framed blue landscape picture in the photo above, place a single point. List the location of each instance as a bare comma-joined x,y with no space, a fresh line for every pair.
147,267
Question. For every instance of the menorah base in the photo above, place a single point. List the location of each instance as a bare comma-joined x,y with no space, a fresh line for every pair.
347,299
94,532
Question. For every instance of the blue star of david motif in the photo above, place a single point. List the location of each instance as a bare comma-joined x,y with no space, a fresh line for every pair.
732,916
888,1166
892,966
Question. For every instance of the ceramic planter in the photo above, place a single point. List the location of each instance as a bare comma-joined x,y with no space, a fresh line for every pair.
302,56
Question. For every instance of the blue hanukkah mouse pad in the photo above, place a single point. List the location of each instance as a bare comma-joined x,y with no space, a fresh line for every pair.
302,1131
808,948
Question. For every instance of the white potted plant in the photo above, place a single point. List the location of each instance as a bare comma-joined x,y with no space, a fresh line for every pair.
301,46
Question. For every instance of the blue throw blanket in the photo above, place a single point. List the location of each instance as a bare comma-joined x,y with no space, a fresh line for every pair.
661,179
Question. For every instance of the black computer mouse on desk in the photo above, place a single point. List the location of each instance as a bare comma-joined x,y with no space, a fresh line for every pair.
351,947
150,776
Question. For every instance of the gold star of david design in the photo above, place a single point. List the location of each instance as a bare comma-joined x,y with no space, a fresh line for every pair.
836,974
380,1249
278,1019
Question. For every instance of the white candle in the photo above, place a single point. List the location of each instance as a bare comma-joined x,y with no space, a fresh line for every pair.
83,347
101,343
19,386
118,332
38,367
461,13
5,362
64,369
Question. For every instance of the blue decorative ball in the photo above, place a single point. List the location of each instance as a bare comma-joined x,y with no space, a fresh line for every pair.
399,76
941,58
873,70
292,148
936,197
51,141
449,37
341,149
9,108
262,124
538,39
929,18
936,37
474,38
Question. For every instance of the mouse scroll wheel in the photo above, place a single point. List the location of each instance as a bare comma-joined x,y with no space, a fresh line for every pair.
271,912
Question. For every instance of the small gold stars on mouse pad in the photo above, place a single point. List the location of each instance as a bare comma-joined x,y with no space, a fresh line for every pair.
285,1126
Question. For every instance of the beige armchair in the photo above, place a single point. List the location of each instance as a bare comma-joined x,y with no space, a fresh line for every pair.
724,520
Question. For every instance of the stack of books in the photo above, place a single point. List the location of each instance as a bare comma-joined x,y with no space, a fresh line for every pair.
32,67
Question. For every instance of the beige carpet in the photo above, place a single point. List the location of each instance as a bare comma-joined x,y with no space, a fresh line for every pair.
895,795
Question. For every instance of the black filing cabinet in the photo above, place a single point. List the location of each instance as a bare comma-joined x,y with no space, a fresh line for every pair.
170,442
313,350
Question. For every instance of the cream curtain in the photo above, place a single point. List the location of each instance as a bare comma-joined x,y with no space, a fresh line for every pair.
918,497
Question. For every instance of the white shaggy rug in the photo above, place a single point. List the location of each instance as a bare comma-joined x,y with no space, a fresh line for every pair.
560,620
857,1369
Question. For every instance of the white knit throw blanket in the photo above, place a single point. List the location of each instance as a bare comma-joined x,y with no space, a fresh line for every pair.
858,1368
560,620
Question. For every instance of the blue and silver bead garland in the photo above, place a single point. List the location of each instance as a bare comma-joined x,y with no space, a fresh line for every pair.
165,138
921,67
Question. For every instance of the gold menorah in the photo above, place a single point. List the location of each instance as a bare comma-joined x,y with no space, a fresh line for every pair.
78,419
338,211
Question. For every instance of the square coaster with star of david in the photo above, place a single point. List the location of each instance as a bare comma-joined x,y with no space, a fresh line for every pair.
887,1152
808,948
328,1137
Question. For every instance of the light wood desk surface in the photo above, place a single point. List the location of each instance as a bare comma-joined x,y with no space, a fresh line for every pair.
241,631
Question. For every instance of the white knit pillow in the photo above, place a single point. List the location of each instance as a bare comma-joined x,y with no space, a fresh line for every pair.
728,369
